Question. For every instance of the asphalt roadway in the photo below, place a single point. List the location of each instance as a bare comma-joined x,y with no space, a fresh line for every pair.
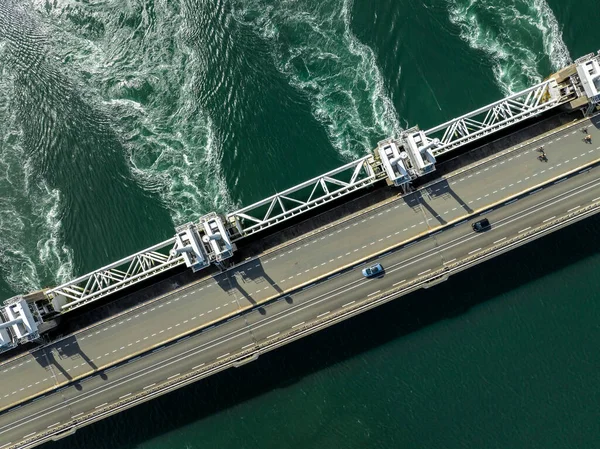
285,270
222,342
258,280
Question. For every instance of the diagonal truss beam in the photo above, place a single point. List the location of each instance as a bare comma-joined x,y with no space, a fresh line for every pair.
118,275
496,116
307,195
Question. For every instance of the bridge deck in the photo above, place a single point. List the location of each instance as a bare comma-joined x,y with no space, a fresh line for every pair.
299,264
223,342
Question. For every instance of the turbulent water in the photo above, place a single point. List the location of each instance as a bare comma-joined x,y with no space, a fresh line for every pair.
512,33
120,119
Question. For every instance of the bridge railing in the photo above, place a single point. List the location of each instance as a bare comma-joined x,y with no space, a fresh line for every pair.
116,276
303,197
496,116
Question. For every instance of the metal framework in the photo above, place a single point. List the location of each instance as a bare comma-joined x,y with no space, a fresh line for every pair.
296,200
211,240
496,116
118,275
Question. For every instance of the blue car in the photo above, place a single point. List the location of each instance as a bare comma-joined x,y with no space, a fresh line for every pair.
373,270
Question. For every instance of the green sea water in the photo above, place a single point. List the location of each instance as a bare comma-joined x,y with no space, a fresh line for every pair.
120,119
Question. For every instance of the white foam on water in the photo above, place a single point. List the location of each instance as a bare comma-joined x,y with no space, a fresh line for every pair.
313,45
31,255
516,35
145,77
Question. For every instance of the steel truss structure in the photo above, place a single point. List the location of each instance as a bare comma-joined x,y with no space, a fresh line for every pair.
118,275
496,116
313,193
308,195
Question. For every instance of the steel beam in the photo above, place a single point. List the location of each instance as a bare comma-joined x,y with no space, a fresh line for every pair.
118,275
303,197
496,116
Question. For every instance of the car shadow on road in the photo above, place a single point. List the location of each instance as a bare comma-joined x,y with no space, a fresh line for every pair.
246,280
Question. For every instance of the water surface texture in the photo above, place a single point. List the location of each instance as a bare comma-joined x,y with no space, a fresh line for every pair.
121,119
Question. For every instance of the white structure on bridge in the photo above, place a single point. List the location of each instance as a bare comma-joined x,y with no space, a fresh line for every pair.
17,324
588,69
397,160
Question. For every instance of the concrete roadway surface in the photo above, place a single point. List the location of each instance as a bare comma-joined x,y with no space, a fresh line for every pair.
275,319
300,263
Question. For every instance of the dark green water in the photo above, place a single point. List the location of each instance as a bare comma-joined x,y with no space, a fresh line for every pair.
120,119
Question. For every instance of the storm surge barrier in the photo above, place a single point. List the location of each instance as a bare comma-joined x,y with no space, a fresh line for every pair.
398,160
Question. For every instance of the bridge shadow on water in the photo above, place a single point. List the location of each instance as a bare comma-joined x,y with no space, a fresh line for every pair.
288,365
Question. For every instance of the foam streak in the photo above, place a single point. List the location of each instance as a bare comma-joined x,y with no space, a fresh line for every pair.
522,38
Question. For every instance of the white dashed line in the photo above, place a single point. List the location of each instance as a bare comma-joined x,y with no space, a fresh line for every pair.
475,250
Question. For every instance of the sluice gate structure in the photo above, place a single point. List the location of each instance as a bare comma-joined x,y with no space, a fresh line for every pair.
294,290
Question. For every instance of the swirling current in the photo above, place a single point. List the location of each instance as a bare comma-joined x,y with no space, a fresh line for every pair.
120,119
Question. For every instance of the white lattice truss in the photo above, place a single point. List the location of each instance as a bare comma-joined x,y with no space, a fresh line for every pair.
118,275
305,196
496,116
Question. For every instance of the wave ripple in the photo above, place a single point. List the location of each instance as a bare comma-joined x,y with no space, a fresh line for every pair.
313,46
521,37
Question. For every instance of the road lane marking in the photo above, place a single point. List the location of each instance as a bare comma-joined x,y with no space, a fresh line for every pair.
149,386
223,355
498,241
52,425
122,397
523,230
474,251
247,346
573,208
323,314
30,435
519,215
75,416
348,304
101,405
198,366
173,376
551,218
299,324
374,293
273,335
422,273
397,283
